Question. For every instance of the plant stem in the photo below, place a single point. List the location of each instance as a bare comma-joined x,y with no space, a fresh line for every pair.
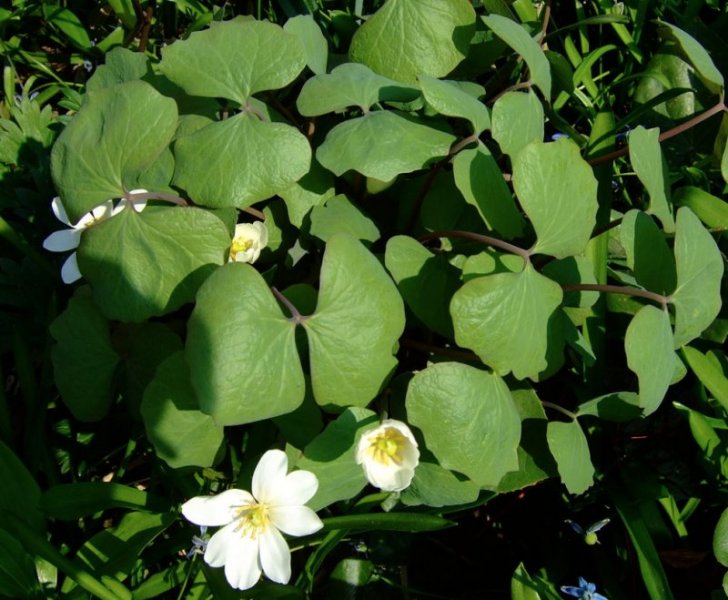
477,237
560,409
296,317
258,214
616,289
677,130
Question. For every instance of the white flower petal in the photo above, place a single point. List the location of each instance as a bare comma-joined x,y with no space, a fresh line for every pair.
263,231
275,556
59,211
269,475
103,211
222,545
386,477
296,488
295,520
63,240
215,511
242,567
69,270
402,428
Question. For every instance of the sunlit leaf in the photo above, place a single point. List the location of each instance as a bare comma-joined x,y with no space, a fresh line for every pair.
647,160
517,120
568,444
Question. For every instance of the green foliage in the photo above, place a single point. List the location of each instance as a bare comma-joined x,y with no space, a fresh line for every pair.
545,313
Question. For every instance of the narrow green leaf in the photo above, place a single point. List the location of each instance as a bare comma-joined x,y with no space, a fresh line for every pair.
21,494
315,46
649,347
522,587
709,373
234,60
711,210
150,263
646,157
388,522
117,134
382,145
696,54
569,447
84,361
17,571
450,100
558,191
408,38
350,84
240,161
181,434
358,320
71,26
505,317
720,539
241,349
518,120
71,501
699,265
468,420
481,183
523,44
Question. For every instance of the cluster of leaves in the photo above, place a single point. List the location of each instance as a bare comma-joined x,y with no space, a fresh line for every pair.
469,242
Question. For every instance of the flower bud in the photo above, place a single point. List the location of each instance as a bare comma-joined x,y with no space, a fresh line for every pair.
388,455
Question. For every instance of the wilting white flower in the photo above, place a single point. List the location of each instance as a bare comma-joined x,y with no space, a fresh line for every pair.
250,541
69,239
389,455
248,241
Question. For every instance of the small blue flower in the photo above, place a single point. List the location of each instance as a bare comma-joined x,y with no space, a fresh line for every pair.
199,543
585,591
589,534
557,136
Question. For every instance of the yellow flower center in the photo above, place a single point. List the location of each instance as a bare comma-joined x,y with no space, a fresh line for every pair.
253,519
240,244
386,447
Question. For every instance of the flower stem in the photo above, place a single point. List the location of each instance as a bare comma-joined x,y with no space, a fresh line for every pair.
296,316
477,237
617,289
560,409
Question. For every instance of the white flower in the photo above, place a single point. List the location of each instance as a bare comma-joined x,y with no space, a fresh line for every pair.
248,241
69,239
250,541
389,455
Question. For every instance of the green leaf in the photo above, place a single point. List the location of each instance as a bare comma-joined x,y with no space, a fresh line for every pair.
481,183
315,46
649,347
447,98
504,318
710,209
240,161
241,349
21,493
517,121
114,551
117,134
558,191
696,54
84,361
699,265
646,157
434,486
523,44
382,145
522,587
340,215
313,189
720,539
570,449
426,281
17,570
408,38
350,84
70,501
181,434
573,269
234,60
150,263
648,254
69,24
714,453
468,420
618,407
358,320
709,373
121,65
331,456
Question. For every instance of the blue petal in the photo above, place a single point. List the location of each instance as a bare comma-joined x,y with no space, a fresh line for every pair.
572,591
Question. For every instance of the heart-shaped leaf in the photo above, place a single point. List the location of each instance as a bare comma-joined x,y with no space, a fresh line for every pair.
241,349
449,99
468,419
